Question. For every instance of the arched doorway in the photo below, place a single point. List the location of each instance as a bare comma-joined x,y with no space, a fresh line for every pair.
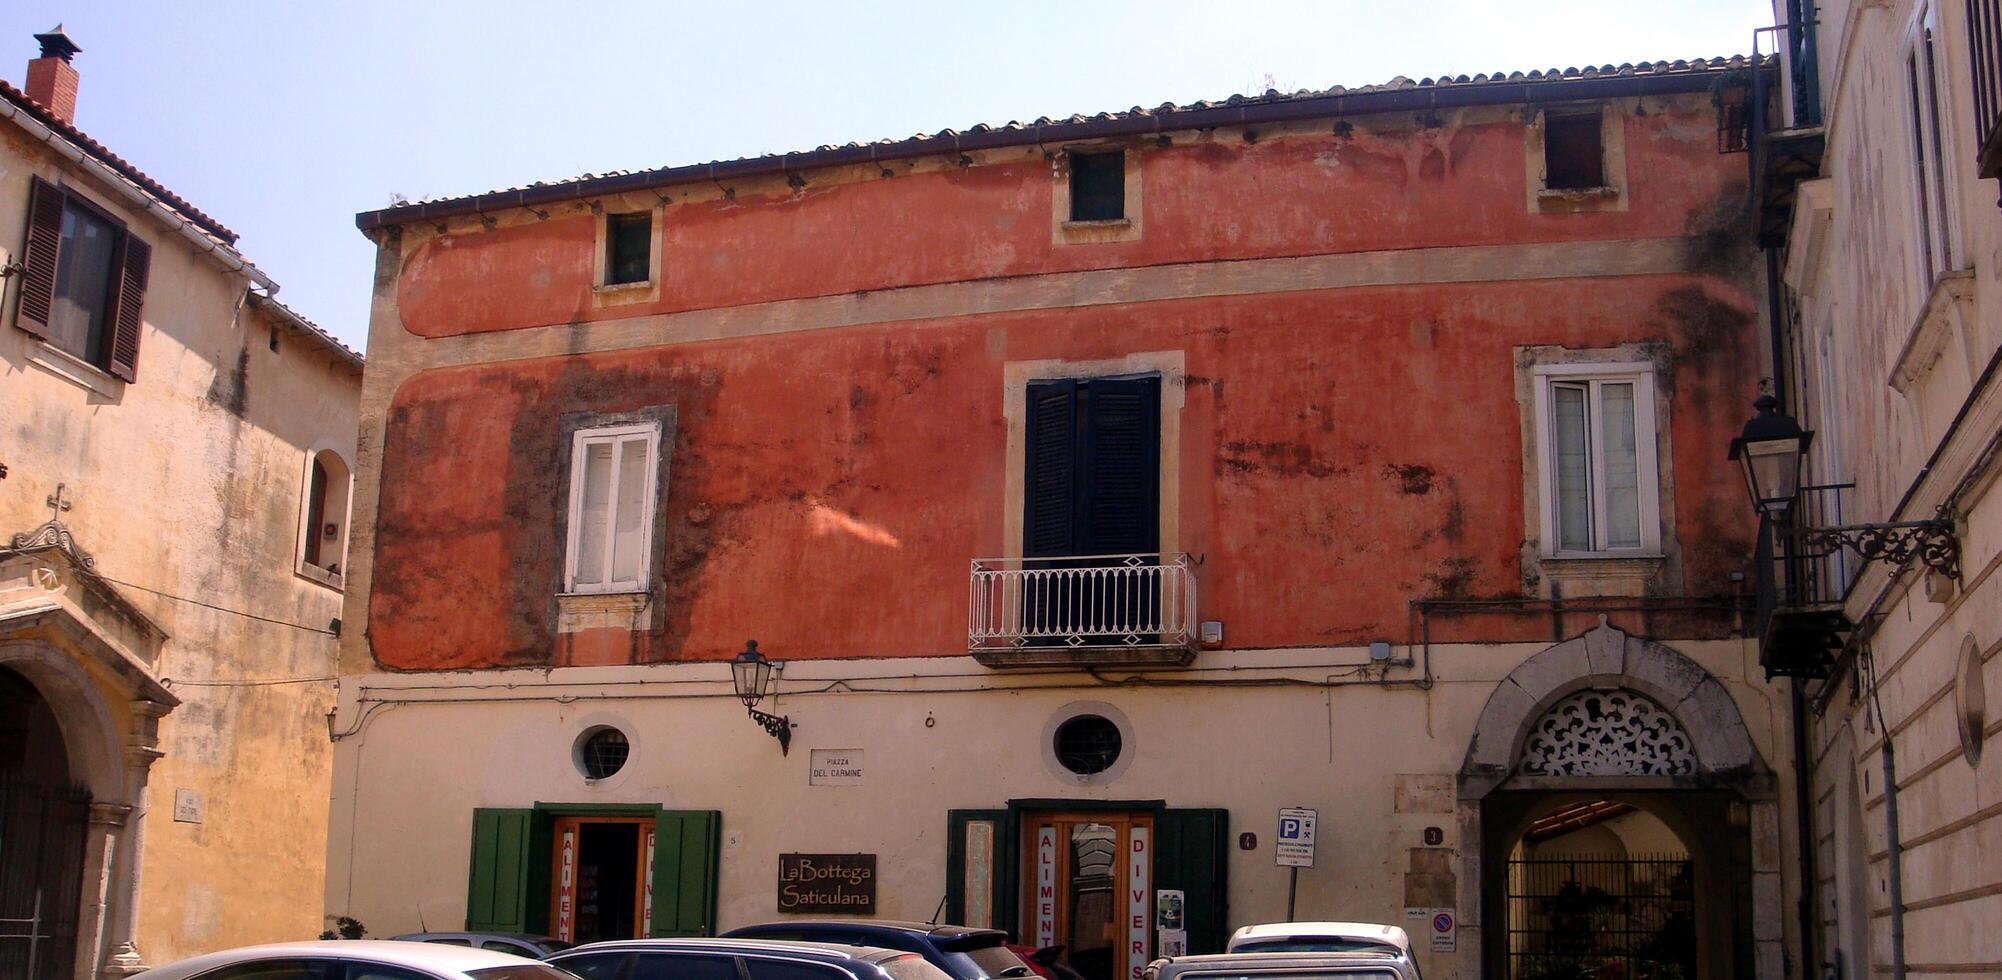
44,819
1609,804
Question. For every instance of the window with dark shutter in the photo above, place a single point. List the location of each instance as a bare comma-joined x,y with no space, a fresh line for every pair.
1574,152
1092,476
1098,185
83,288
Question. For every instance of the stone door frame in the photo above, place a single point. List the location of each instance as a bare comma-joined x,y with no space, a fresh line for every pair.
1728,766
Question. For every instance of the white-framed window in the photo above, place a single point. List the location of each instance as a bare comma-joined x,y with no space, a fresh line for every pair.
1931,136
323,517
1596,462
612,487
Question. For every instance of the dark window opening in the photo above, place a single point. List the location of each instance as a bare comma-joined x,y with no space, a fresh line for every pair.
1574,153
1092,476
604,753
316,512
1088,744
1098,186
608,867
628,248
86,264
1734,123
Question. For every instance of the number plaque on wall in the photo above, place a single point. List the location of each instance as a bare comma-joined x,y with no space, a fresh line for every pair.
818,884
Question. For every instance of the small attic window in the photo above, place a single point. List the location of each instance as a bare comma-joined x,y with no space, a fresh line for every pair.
1098,185
628,247
1574,152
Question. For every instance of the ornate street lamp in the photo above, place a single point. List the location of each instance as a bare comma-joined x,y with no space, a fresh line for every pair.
1770,449
752,675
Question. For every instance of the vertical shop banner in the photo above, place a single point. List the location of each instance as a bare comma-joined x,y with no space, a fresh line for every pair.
1046,886
1139,904
646,885
566,886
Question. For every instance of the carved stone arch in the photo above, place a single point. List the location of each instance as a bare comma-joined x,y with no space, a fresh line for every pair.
1606,659
91,733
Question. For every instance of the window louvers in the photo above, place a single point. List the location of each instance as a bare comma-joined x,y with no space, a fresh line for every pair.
132,278
45,232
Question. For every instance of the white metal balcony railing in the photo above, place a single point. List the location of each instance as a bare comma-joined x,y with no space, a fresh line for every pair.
1139,601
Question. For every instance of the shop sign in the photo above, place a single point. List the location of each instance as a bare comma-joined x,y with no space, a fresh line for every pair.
818,884
834,767
566,886
1046,887
1139,914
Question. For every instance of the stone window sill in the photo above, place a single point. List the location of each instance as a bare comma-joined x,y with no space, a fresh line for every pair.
314,573
625,293
579,611
1602,574
1097,223
74,369
1577,193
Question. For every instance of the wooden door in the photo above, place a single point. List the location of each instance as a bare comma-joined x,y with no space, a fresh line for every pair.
1088,886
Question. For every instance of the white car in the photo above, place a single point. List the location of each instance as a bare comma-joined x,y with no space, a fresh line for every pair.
1320,937
359,959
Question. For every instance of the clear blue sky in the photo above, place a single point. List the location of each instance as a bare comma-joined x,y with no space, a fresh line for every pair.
283,119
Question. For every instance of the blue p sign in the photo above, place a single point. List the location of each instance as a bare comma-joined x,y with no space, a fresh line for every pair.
1289,828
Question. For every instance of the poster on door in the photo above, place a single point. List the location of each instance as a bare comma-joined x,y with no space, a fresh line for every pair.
1046,887
1139,895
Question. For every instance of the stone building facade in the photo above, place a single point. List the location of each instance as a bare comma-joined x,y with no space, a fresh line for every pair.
1101,486
1889,243
169,593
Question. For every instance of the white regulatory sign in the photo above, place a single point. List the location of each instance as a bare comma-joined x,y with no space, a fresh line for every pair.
1295,845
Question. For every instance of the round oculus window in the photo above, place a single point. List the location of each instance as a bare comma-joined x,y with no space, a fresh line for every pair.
1088,744
602,752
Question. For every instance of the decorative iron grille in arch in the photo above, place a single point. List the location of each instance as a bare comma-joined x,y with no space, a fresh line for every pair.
1607,733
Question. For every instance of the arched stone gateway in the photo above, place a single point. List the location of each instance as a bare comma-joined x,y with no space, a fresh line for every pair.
1607,723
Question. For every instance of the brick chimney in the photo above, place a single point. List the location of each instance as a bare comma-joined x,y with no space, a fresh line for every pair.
51,79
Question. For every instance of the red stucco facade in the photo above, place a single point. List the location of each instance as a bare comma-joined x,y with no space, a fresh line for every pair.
1344,451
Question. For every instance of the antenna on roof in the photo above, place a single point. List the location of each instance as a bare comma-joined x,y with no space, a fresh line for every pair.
421,927
937,911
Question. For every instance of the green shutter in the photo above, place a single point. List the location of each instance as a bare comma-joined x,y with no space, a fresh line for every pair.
497,885
998,874
1194,857
685,849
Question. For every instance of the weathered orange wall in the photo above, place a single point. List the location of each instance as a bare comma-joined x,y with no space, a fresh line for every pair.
1222,199
1343,451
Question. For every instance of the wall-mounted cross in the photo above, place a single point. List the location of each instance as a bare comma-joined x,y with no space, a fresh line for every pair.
59,502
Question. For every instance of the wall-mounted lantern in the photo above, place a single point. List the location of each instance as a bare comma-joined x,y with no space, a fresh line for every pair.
1770,450
752,675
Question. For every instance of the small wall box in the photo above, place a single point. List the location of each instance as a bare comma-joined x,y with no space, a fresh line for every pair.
1212,634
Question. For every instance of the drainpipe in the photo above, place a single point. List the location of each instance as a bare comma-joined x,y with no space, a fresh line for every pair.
1804,822
1895,862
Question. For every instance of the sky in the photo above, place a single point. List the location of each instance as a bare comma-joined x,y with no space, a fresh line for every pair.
283,120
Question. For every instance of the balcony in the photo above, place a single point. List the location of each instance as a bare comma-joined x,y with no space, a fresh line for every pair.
1089,611
1800,587
1984,27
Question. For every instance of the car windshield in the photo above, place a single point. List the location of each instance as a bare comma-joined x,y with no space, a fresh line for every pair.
1313,944
525,971
1363,973
552,945
995,961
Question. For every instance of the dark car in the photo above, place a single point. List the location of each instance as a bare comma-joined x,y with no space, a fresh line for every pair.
963,952
520,944
739,959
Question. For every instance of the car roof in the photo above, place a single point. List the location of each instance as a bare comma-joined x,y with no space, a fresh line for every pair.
946,931
1287,963
526,937
1365,931
422,956
826,951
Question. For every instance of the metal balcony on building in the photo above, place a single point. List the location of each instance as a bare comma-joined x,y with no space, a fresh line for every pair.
1984,28
1092,610
1801,584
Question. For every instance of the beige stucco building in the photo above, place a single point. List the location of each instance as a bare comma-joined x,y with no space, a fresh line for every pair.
1889,240
173,516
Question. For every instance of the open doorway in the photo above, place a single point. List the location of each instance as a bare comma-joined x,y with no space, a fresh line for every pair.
1089,878
602,889
43,815
1601,888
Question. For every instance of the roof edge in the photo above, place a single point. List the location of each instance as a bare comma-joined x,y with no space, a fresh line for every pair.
286,315
1201,116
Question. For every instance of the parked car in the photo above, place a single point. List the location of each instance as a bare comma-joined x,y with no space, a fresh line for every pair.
1284,966
962,952
1047,962
362,959
1320,937
740,959
518,943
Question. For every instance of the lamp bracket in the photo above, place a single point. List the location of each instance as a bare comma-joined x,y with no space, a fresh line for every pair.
1896,543
776,726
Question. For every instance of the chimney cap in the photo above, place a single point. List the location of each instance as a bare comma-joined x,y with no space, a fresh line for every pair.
56,44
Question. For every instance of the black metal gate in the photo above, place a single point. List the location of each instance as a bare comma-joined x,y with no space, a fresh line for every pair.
1631,918
41,876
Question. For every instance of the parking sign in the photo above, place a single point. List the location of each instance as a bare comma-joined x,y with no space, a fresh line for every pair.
1295,845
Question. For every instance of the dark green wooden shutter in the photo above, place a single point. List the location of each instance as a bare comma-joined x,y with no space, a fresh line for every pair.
685,852
38,260
1194,856
999,872
1120,507
497,885
1049,473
